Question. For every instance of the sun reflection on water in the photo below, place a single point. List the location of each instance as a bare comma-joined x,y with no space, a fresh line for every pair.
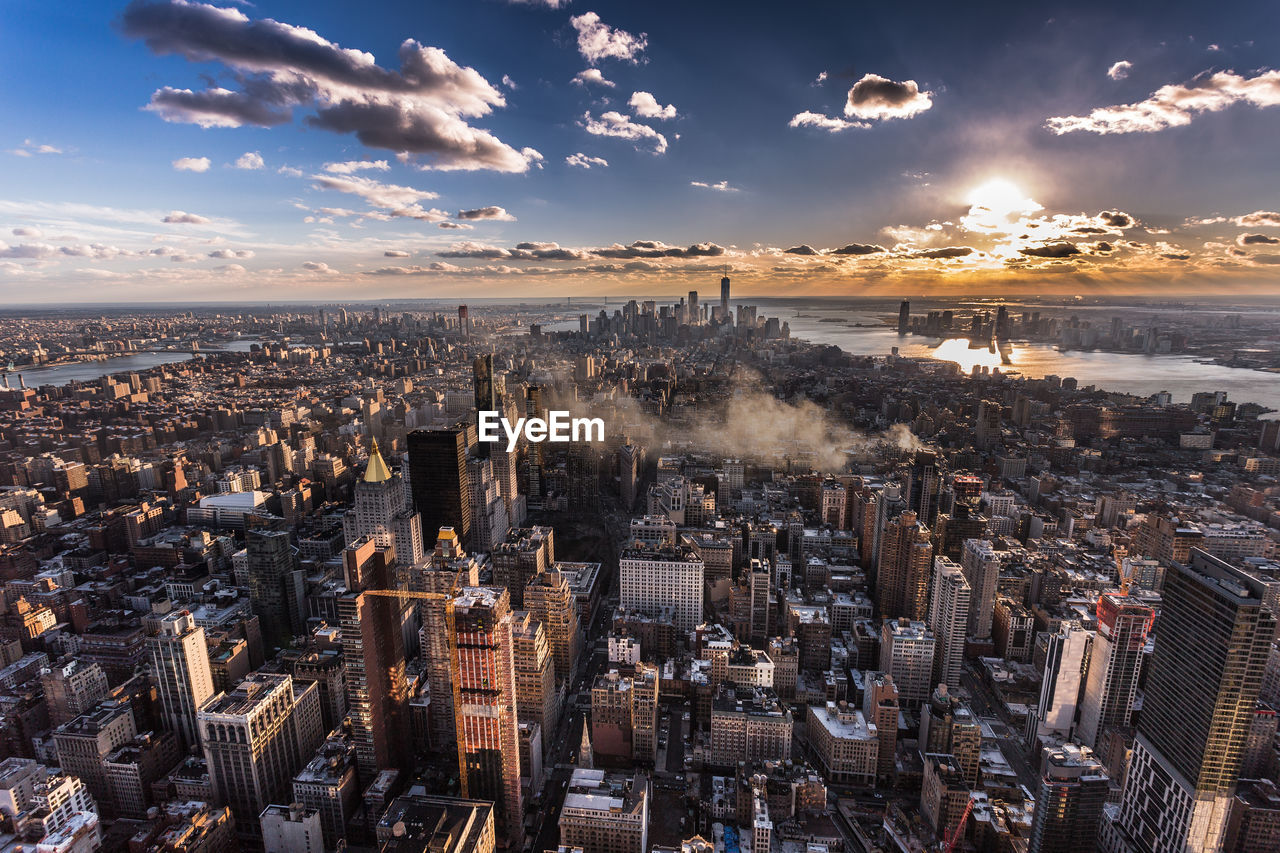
957,350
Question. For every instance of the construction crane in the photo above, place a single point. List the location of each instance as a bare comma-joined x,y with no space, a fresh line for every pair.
1125,575
954,840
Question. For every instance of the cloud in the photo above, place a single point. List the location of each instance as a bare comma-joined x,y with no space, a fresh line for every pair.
876,97
319,266
179,217
550,4
583,161
1117,219
191,164
618,125
1257,240
646,105
397,200
454,226
1257,219
593,76
395,253
858,249
350,167
30,147
821,78
1176,105
420,108
1120,70
823,122
290,171
1061,249
597,40
490,212
521,252
718,186
944,253
509,83
21,231
231,254
802,249
655,249
250,160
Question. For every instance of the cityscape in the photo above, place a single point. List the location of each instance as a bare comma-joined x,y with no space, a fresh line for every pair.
328,529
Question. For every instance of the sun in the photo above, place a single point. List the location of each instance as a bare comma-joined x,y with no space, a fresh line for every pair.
1002,198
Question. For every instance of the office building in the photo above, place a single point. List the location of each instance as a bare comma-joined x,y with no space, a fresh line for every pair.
880,708
981,565
380,511
276,587
1114,665
1073,790
255,739
485,704
846,746
1061,686
526,553
418,822
949,602
537,700
624,714
72,687
181,671
748,724
653,578
291,829
904,567
605,813
907,649
439,482
1210,652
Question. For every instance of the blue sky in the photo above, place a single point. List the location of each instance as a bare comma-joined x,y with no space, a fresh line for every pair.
834,148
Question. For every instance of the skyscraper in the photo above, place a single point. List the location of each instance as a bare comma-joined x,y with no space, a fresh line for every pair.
485,704
373,648
379,512
1063,677
275,583
949,620
724,299
183,678
438,478
904,317
1114,664
1073,789
1205,674
549,599
255,739
902,573
482,378
693,308
981,567
925,481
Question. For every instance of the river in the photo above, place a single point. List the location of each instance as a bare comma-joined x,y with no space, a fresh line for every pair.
87,371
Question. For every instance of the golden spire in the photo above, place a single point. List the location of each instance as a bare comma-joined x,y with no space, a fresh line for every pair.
376,471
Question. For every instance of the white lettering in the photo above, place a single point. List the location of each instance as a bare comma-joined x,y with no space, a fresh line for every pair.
559,424
535,429
489,425
587,425
512,433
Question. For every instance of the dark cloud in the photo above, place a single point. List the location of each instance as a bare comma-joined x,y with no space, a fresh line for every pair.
1257,240
654,249
490,212
1177,256
948,252
181,217
1061,249
858,249
803,249
419,108
877,97
1117,219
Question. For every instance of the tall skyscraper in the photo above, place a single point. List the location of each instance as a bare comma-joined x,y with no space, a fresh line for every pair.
880,706
724,299
276,586
924,483
1063,679
485,704
904,317
1114,664
949,620
1210,653
981,565
902,573
549,599
537,700
183,678
380,512
693,308
372,645
482,378
464,321
255,739
439,480
1073,789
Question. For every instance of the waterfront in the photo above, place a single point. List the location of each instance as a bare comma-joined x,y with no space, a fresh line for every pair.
88,371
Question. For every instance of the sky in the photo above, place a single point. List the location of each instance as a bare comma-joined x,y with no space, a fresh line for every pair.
173,150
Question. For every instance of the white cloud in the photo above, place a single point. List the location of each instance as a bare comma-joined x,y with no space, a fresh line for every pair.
583,161
320,267
821,78
492,212
823,122
290,171
1176,105
509,83
591,75
646,105
1258,219
250,160
392,200
191,164
181,217
350,167
420,108
550,4
597,40
30,147
618,125
1120,70
876,97
719,186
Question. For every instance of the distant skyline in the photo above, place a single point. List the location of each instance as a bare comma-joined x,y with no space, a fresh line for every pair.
317,151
